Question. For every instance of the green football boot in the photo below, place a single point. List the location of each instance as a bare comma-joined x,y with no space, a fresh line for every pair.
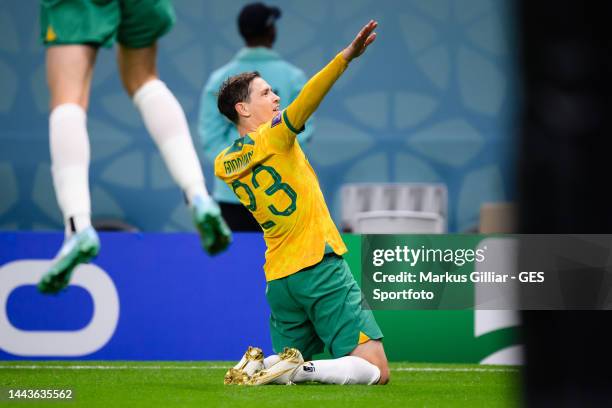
78,249
215,235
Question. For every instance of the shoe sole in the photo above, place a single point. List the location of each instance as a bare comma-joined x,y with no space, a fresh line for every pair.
84,255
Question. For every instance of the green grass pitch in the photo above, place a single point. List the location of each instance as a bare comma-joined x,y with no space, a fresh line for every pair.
185,384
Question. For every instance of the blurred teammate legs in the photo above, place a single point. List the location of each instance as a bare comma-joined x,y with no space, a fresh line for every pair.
163,117
69,73
71,52
165,120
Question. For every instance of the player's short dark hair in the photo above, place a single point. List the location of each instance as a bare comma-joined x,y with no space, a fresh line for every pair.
233,90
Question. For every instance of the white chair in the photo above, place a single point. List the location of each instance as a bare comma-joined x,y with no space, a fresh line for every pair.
398,222
414,203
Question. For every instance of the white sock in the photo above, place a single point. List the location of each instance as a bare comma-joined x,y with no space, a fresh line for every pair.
344,370
70,165
271,360
165,120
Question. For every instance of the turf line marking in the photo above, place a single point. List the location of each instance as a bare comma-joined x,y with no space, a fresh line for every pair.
110,367
457,370
147,367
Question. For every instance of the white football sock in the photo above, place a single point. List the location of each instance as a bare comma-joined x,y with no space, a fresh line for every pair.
69,144
165,120
344,370
271,360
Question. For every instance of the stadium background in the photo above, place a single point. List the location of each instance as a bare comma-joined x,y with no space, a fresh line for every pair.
432,102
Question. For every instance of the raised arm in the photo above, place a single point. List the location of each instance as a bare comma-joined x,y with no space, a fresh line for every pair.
315,90
296,87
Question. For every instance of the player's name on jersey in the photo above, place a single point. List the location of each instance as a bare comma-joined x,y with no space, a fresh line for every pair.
237,164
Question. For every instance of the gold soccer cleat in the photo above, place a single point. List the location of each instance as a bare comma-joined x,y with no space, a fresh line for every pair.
249,364
282,372
234,376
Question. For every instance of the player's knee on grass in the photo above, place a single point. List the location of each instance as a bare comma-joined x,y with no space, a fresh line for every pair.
385,374
374,352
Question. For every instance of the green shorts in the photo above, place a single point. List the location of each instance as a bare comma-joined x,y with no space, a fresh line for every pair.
319,306
134,23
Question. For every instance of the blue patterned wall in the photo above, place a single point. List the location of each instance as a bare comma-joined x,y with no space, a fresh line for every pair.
431,101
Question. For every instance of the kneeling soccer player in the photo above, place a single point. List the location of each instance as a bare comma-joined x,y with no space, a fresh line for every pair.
314,300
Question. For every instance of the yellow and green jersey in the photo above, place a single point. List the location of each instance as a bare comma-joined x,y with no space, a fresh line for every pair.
271,176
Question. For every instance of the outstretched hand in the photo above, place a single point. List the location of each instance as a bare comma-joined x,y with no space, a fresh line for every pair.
365,37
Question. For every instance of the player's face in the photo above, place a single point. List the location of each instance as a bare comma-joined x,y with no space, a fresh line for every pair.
263,103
